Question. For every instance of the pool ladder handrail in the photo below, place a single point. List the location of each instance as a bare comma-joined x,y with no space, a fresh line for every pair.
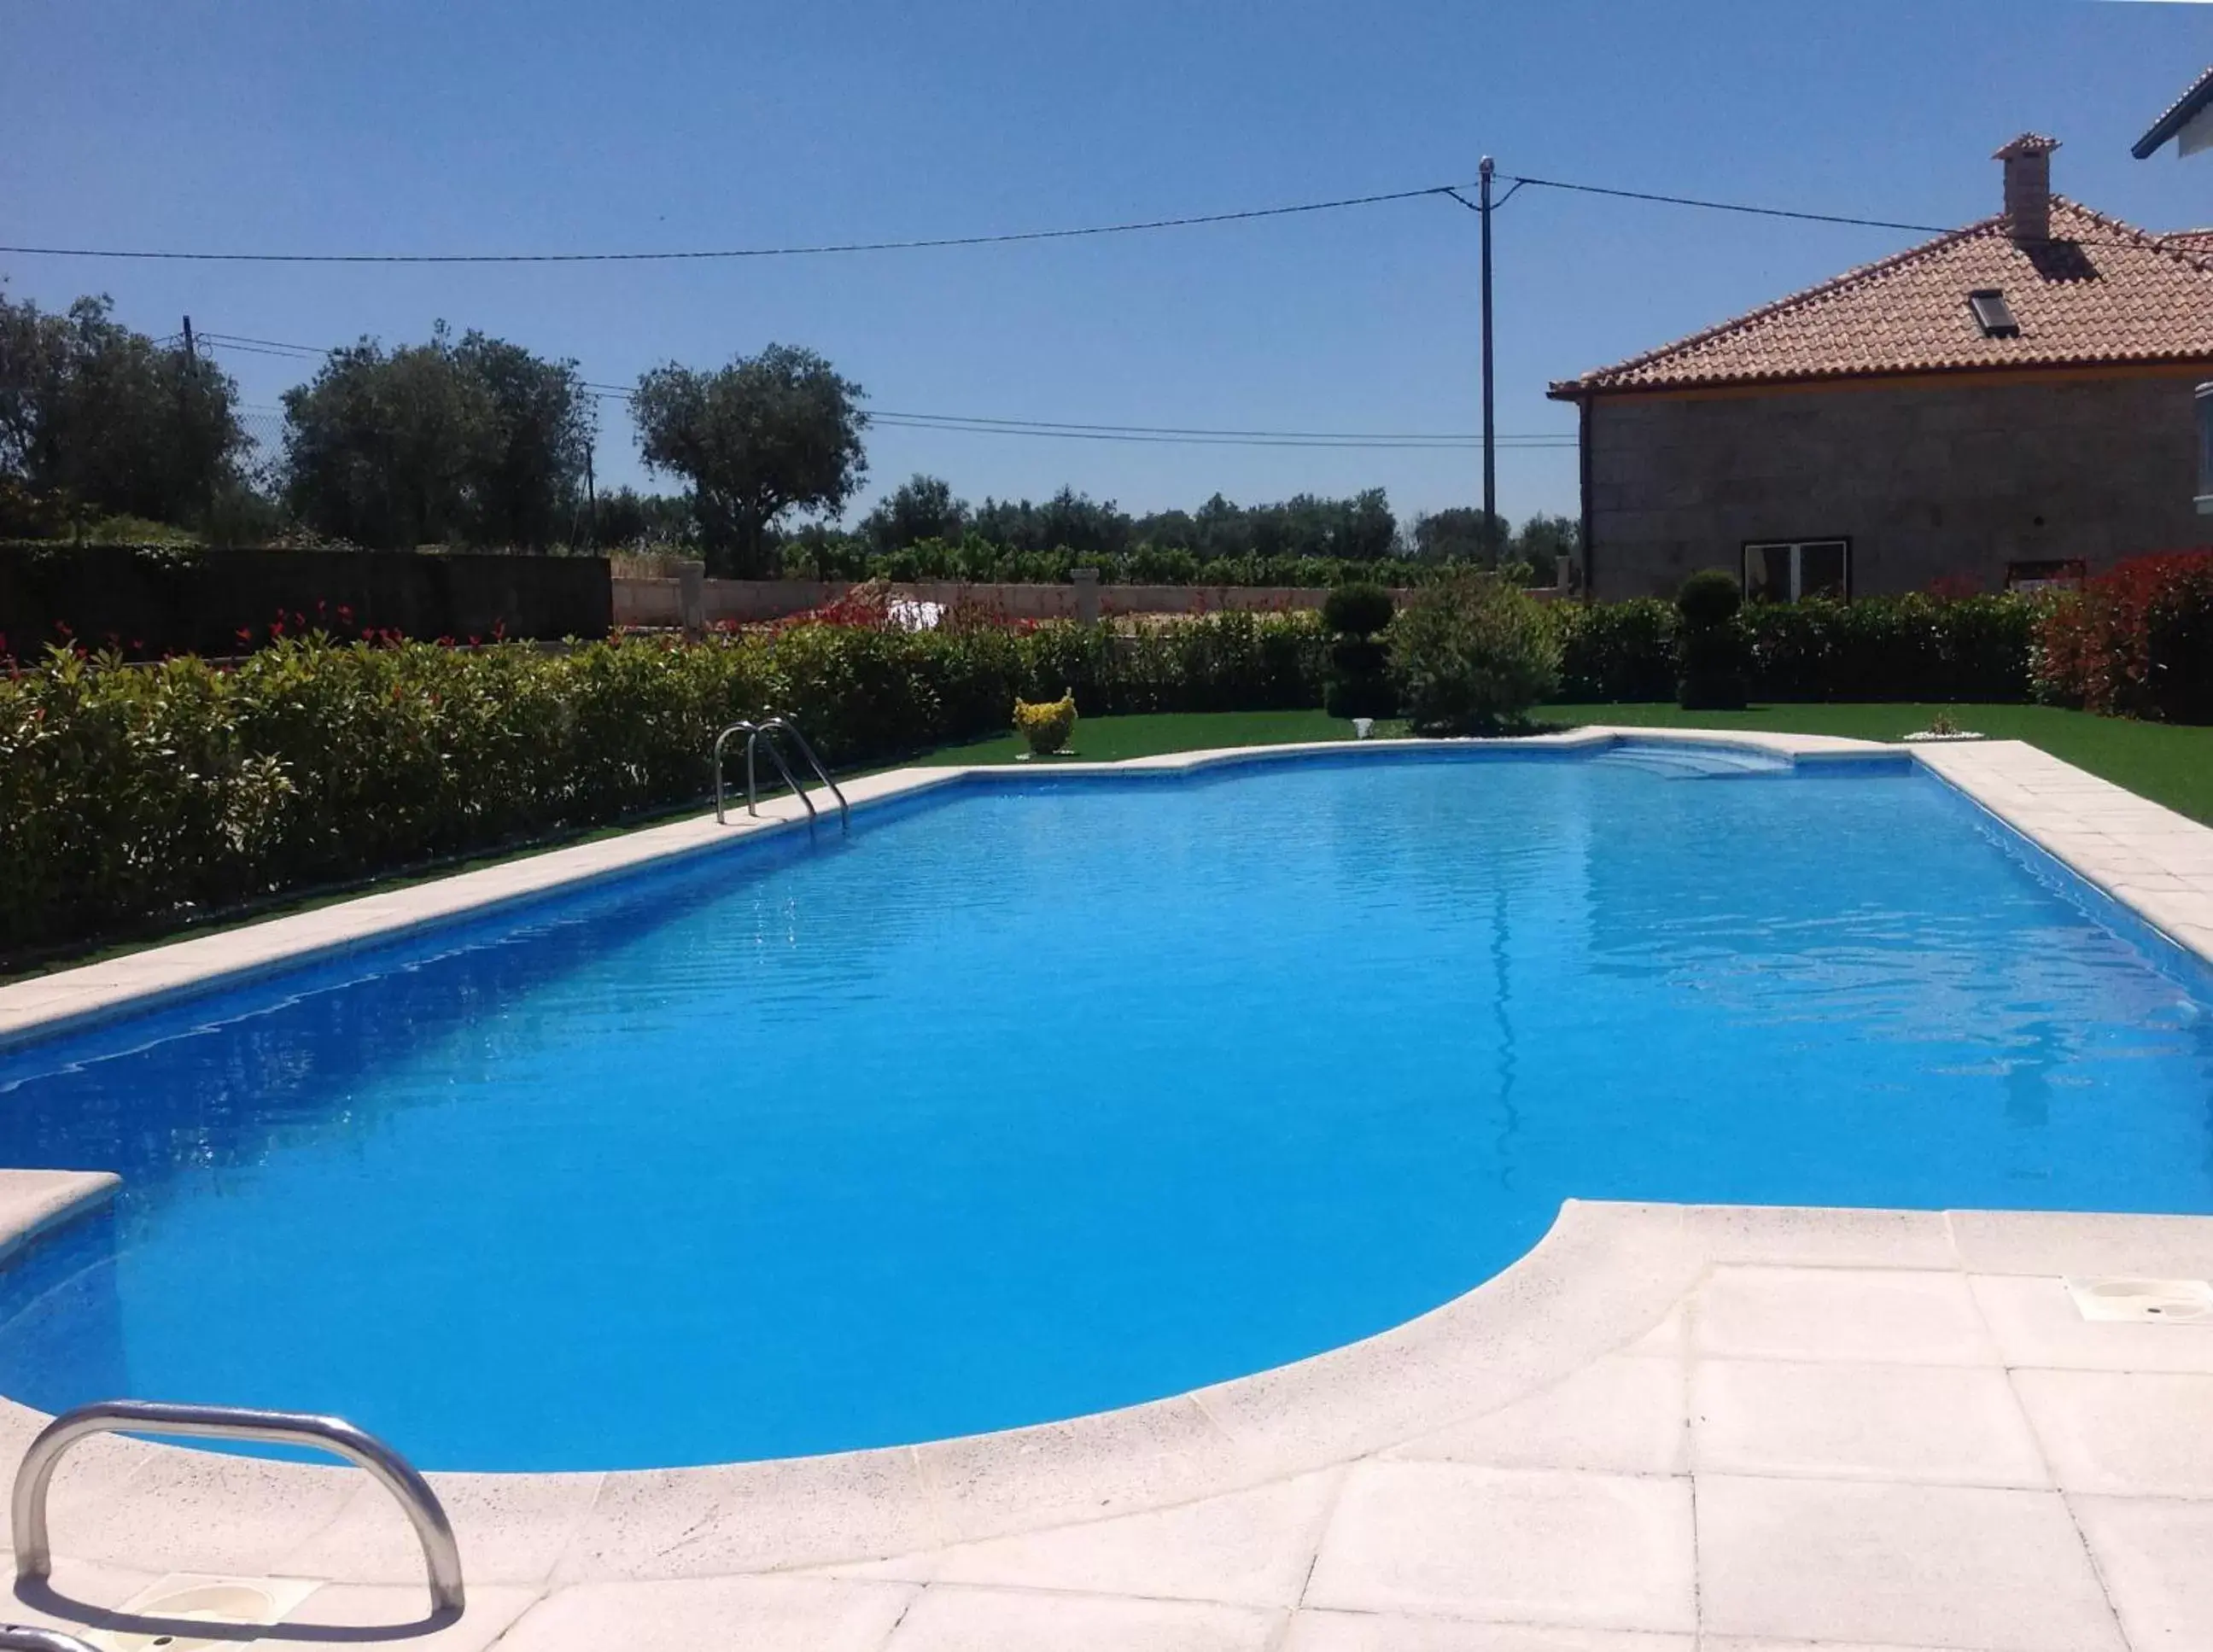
29,1637
764,733
35,1559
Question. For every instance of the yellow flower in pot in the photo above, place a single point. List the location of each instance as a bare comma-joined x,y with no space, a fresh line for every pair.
1046,725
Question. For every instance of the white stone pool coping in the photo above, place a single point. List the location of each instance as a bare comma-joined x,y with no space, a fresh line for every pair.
1666,1427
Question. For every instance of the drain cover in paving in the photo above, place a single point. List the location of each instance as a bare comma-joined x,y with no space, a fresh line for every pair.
230,1603
2143,1302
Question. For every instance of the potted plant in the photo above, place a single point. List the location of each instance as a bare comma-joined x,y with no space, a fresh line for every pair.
1046,725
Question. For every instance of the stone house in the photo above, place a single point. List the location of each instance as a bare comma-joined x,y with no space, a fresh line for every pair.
2009,402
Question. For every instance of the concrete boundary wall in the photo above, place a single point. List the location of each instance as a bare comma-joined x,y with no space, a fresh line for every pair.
661,602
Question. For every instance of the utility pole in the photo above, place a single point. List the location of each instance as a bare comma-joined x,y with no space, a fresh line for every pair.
1490,454
185,409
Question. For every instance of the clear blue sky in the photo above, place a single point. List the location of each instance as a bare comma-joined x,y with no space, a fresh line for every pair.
561,126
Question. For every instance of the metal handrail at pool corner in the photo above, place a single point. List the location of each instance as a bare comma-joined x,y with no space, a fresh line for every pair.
34,1557
29,1637
770,727
752,734
783,721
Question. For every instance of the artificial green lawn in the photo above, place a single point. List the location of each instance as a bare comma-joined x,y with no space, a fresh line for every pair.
1110,739
2169,763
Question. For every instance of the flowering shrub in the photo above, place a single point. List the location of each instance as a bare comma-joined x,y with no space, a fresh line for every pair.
1044,727
2135,642
130,792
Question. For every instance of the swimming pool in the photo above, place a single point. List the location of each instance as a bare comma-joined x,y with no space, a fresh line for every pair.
1039,1096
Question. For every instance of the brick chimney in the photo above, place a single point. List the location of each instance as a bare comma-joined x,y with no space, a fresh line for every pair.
2028,187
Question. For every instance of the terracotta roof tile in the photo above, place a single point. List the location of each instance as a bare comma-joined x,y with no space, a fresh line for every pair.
2099,292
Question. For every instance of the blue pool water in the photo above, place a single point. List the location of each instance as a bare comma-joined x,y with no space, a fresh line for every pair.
1044,1097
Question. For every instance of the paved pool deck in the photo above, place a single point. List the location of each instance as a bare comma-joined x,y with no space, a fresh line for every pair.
1667,1428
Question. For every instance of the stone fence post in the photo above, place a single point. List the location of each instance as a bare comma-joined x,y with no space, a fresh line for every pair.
1087,594
692,599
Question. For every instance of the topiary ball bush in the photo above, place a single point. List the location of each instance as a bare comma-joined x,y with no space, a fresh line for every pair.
1470,654
1710,597
1358,683
1356,609
1712,647
1716,668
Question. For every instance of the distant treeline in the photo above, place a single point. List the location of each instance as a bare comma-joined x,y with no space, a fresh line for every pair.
475,442
922,531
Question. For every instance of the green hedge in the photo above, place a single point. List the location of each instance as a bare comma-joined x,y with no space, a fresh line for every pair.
130,794
1887,648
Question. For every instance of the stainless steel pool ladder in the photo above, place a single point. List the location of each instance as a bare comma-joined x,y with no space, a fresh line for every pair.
34,1557
28,1637
764,734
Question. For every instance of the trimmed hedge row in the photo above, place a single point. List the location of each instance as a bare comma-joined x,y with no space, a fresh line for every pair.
130,794
1884,647
136,793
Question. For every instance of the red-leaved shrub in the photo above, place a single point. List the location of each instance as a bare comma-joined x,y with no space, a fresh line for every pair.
2135,642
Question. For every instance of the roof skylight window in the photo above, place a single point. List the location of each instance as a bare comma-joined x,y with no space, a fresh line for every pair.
1992,314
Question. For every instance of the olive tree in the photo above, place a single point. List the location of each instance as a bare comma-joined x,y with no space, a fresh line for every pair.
767,434
98,419
475,442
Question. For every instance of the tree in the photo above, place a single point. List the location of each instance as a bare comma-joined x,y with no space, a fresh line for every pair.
920,508
479,442
1457,535
1072,521
626,518
1360,529
97,419
528,480
1543,540
767,434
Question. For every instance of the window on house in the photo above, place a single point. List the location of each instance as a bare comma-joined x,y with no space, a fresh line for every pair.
1782,571
2064,574
1992,314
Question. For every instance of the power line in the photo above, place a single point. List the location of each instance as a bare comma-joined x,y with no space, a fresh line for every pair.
1737,206
1066,429
821,249
924,243
1454,444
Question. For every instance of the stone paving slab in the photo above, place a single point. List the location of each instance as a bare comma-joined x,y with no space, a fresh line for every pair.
1751,1455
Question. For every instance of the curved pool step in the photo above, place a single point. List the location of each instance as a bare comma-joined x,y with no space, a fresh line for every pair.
1686,762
